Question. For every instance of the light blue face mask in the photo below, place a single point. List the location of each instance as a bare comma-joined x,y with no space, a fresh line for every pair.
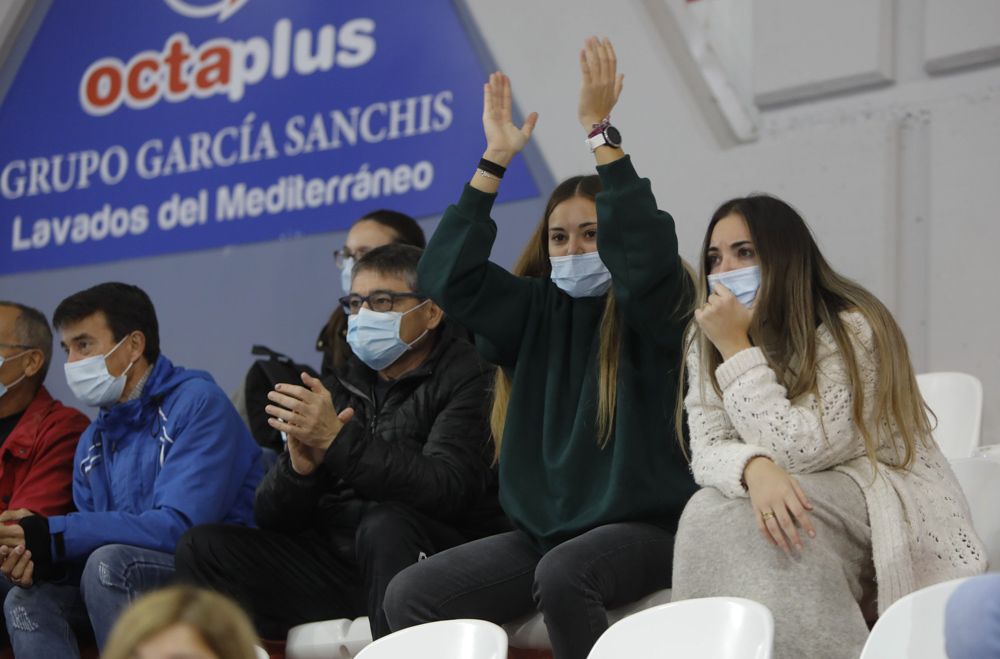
91,382
345,275
581,275
744,283
4,388
374,336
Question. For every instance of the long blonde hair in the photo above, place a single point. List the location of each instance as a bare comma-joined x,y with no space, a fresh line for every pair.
534,262
220,624
799,291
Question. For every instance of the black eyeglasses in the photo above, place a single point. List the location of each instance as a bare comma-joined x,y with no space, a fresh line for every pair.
341,255
380,301
16,345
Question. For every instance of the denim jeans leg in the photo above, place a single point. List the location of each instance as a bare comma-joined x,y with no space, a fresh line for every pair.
114,576
40,620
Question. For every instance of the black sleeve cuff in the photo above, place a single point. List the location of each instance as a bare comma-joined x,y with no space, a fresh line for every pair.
38,541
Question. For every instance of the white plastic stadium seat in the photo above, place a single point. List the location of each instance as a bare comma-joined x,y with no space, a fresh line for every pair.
706,628
529,632
341,638
957,401
446,639
980,480
913,627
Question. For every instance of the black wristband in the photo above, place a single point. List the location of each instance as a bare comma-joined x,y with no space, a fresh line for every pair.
492,168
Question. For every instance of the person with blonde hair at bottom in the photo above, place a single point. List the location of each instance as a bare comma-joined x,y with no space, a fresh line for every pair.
182,621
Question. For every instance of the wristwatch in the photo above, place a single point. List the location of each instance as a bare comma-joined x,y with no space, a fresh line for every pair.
604,133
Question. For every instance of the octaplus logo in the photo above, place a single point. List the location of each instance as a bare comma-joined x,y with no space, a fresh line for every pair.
195,9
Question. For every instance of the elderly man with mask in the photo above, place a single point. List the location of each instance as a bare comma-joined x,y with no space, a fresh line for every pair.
388,459
38,435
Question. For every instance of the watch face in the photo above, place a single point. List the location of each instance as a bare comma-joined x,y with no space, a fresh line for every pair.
613,137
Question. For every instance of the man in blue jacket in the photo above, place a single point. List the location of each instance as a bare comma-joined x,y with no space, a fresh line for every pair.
166,452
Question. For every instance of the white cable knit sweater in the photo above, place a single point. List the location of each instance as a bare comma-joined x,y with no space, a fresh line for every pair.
920,522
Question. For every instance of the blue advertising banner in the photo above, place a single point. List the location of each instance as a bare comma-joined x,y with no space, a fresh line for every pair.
140,128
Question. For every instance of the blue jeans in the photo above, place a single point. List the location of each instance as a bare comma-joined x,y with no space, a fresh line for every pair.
41,619
972,619
506,576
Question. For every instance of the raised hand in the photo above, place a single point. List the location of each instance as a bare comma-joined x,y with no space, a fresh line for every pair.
601,85
504,139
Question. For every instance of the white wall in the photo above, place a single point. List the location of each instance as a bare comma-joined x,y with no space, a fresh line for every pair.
901,183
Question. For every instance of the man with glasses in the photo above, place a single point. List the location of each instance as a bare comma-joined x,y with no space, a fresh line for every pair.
372,230
38,435
388,460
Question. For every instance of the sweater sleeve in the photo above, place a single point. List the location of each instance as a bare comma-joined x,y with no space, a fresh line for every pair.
817,430
718,454
456,273
638,244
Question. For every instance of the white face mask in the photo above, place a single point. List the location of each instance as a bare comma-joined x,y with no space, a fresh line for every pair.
743,283
374,336
345,275
92,383
4,388
581,275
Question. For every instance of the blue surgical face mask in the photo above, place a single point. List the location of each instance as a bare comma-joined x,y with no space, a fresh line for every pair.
91,382
4,388
345,275
374,336
581,275
744,283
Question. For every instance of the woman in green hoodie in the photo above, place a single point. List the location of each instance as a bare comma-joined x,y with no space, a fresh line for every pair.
587,335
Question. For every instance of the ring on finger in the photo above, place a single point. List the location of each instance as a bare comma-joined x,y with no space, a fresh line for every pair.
766,515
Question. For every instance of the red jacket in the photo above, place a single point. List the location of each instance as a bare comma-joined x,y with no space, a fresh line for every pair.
36,461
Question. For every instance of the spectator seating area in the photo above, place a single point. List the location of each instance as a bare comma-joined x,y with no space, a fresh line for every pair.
740,629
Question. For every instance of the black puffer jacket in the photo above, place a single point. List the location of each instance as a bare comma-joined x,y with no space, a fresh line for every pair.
426,445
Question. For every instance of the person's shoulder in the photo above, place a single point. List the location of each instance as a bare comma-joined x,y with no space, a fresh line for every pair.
192,388
858,326
460,359
55,416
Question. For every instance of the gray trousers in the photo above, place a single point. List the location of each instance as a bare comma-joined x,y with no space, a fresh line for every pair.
817,596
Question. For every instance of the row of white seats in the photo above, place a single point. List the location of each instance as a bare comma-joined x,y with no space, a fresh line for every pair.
956,400
709,628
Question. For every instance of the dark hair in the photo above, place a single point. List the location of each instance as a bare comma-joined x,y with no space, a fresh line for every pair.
395,260
127,309
32,329
408,232
332,342
534,260
799,292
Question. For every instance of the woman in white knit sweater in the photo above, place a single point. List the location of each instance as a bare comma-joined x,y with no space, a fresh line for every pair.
824,495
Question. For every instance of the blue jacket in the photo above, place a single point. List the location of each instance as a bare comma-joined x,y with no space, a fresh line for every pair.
148,469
